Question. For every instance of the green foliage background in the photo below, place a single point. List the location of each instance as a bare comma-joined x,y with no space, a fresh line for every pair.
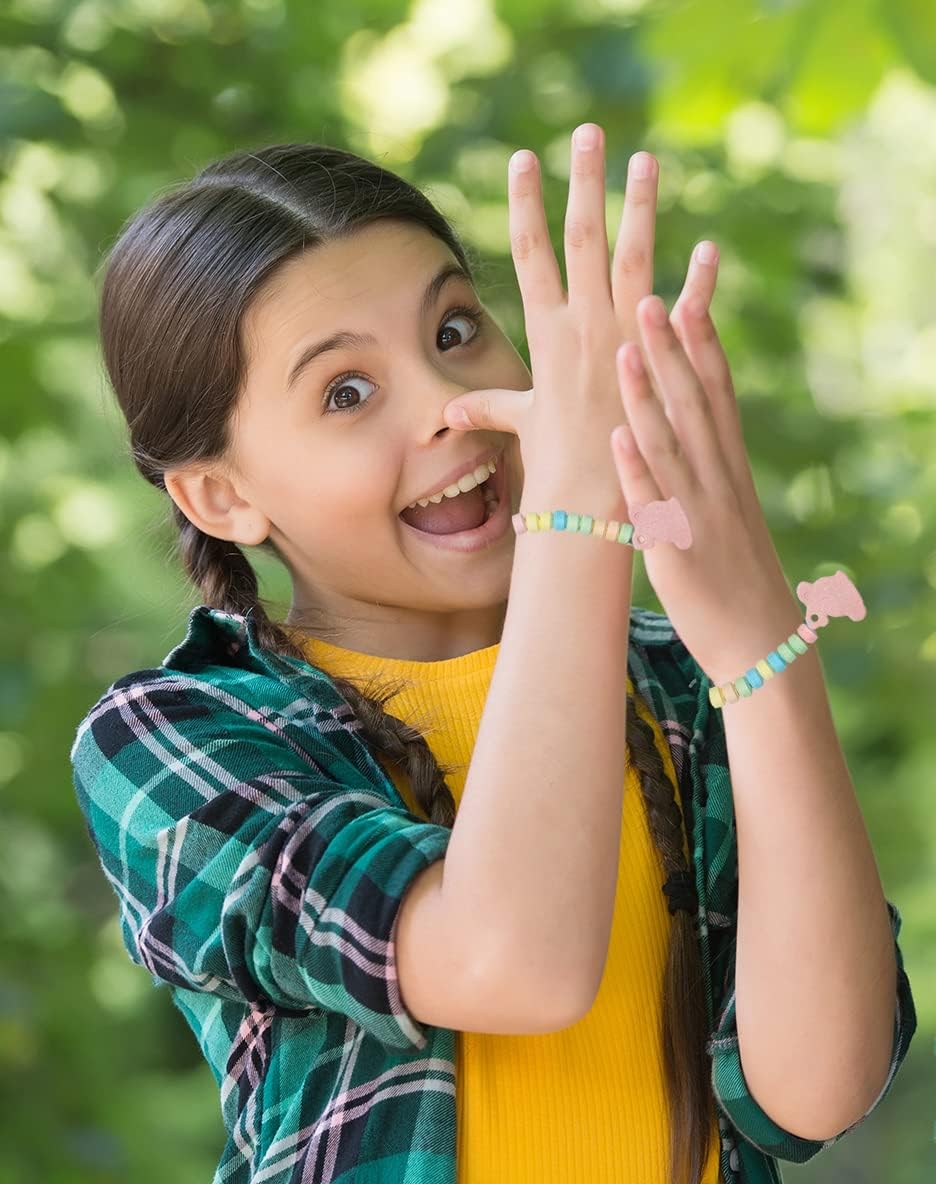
797,134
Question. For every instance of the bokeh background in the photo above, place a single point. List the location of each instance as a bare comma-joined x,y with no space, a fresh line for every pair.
799,134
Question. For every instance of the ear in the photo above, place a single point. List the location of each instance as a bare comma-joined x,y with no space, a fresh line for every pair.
210,501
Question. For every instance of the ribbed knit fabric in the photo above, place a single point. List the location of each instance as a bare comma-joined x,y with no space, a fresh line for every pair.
586,1103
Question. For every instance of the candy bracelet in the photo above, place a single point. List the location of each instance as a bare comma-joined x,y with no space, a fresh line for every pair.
665,521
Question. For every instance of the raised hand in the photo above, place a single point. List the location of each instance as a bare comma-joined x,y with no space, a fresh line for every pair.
565,421
727,593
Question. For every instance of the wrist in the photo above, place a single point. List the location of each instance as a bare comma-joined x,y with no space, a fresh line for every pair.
582,499
755,634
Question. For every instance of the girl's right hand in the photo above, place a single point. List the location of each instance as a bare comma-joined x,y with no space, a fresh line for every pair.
564,423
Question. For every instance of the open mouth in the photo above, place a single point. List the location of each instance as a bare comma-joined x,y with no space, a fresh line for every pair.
490,501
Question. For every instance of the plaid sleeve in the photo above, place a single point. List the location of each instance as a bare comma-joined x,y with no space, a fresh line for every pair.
728,1081
242,868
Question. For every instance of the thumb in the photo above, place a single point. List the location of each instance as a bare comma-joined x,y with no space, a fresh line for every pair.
496,410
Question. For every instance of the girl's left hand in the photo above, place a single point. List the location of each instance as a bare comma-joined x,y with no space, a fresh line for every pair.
727,592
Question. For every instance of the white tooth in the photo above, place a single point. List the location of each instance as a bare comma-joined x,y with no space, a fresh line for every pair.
463,485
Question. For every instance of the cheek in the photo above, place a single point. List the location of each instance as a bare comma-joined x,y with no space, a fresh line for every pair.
338,493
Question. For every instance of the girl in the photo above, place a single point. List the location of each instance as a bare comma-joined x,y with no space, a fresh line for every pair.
290,336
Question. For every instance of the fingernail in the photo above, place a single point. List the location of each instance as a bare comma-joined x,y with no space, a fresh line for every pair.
706,252
522,161
641,165
586,136
656,310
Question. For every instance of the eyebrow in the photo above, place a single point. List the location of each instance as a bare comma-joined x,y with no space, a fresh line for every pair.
348,340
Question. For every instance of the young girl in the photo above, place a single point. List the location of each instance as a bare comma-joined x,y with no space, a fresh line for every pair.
446,884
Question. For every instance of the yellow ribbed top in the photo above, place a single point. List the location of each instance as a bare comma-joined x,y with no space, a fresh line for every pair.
587,1103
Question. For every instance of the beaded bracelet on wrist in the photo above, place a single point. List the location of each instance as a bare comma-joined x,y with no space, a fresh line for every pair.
665,521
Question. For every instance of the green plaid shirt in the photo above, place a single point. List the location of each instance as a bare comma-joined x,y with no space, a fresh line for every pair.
259,854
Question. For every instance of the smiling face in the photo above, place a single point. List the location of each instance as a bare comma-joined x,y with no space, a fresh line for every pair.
323,467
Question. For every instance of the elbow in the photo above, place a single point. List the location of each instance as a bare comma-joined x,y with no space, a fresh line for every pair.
533,999
849,1094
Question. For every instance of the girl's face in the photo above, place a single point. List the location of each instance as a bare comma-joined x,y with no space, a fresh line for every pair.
326,485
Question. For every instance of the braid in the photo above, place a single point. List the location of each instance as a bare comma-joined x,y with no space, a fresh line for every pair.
228,581
684,1021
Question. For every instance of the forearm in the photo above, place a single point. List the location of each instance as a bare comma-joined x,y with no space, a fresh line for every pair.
531,868
815,964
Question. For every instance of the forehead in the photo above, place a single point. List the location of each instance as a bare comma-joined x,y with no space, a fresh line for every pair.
385,263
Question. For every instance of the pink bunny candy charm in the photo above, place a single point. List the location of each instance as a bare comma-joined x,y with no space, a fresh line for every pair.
830,596
659,522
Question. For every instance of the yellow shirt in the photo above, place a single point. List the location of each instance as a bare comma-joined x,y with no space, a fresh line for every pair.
587,1103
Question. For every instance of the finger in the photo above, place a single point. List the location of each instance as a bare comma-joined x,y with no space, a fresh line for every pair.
699,286
657,468
586,235
494,410
692,322
632,265
535,261
685,402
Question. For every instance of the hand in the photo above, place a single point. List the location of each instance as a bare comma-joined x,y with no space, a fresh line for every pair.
684,439
564,423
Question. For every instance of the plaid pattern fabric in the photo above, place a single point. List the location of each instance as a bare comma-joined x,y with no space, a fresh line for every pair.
259,854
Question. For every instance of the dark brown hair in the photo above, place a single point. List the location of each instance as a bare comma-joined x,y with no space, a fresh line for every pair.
177,285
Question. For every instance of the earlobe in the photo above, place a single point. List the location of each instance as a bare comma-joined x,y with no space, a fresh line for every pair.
252,533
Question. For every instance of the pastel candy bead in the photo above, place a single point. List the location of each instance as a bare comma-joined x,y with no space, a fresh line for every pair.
786,653
545,520
626,533
598,527
764,668
716,698
743,687
795,642
519,523
585,523
806,633
776,661
559,519
754,678
572,522
532,520
730,691
611,531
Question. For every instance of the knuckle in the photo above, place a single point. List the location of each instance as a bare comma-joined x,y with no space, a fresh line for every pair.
631,259
668,448
578,233
638,198
523,243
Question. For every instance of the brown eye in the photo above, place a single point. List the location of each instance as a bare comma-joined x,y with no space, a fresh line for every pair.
471,313
341,385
